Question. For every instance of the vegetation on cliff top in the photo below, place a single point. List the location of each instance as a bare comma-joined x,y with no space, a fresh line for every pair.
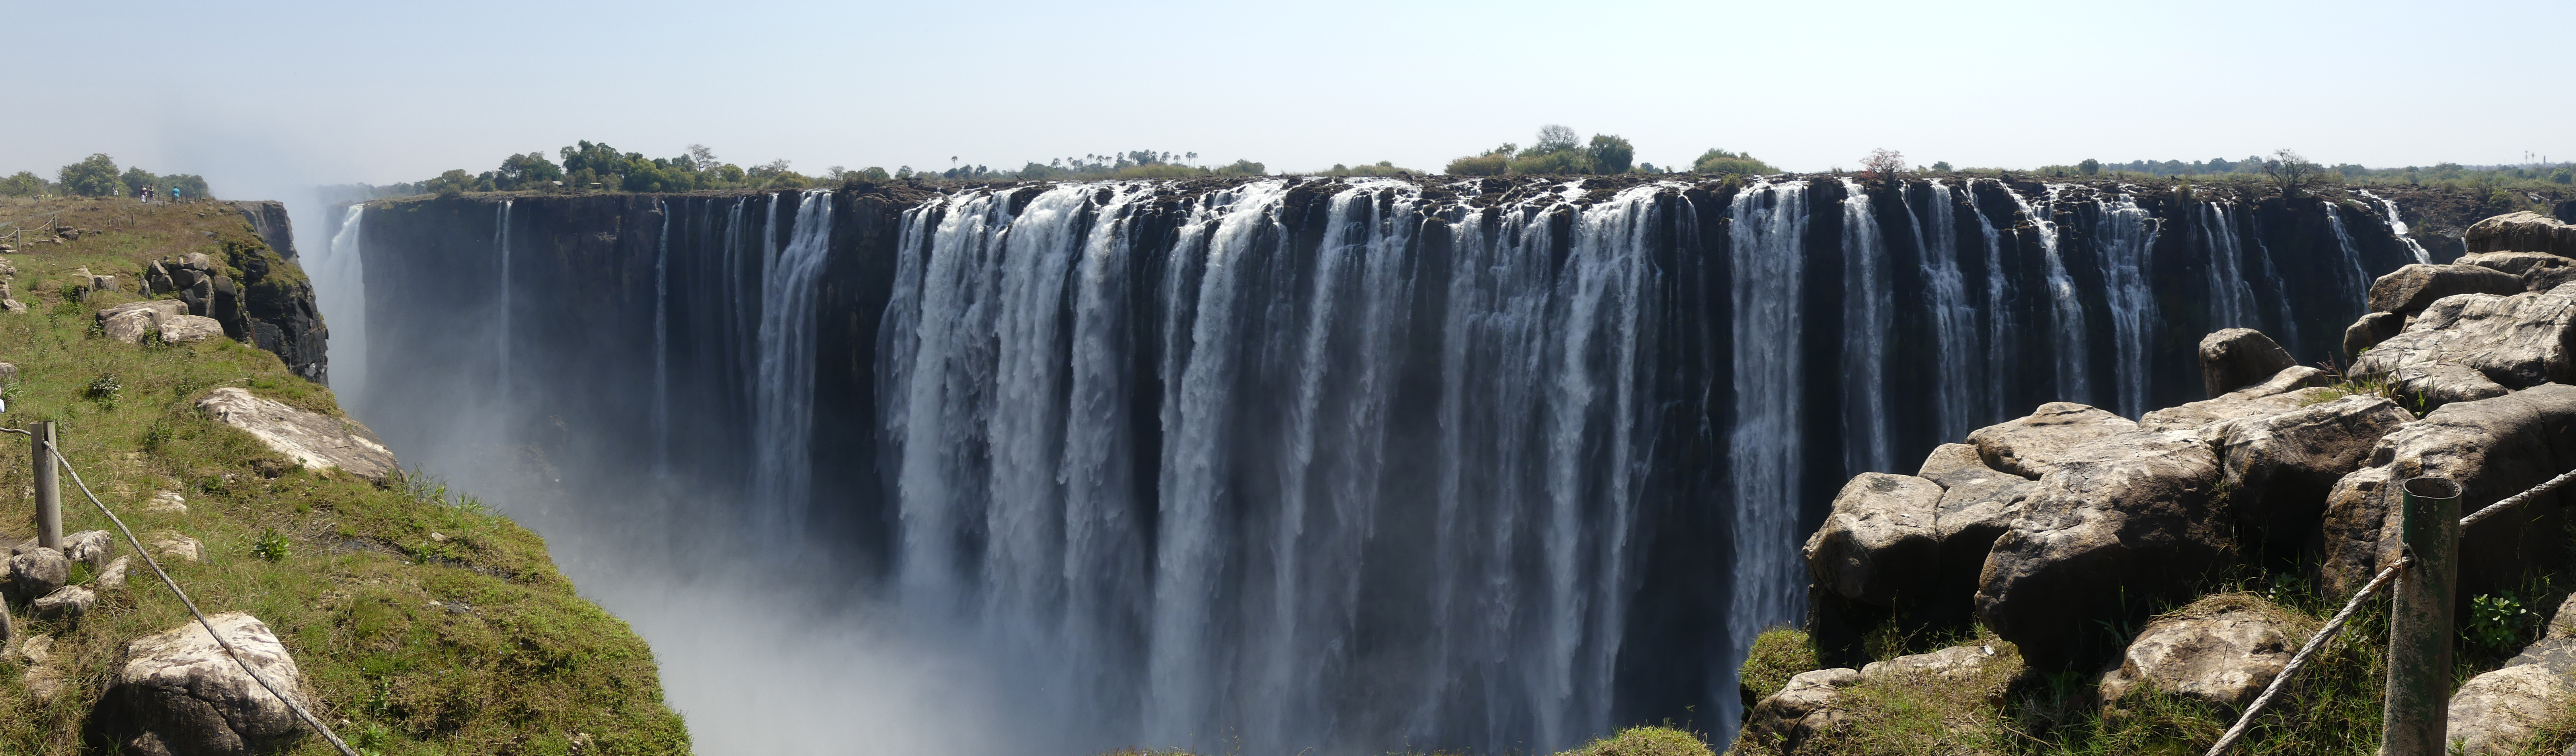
423,623
96,176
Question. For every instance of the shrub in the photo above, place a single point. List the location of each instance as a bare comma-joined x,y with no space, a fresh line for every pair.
1494,162
1645,741
1610,153
1778,654
1721,161
1243,168
93,176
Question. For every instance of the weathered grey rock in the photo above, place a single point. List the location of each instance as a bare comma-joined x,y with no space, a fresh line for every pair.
2554,654
187,328
1805,708
1977,504
313,440
2029,446
37,649
2222,649
45,681
2234,358
2493,448
113,575
8,372
2415,286
130,321
197,261
2279,468
36,572
2138,511
14,307
2517,341
1953,663
2371,329
2290,389
2517,263
103,283
2426,385
2500,712
1877,545
92,546
166,501
175,545
2522,232
180,694
66,603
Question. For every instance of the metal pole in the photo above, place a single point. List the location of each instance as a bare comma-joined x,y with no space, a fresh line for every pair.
49,491
2419,622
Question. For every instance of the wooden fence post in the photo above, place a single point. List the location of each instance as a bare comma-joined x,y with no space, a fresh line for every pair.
49,490
2419,622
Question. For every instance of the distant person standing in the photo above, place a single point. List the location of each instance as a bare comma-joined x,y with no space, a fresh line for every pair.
174,194
147,195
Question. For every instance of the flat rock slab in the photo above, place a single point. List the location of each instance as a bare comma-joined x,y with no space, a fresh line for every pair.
2500,712
312,439
2521,232
2222,649
2416,286
2031,446
2517,341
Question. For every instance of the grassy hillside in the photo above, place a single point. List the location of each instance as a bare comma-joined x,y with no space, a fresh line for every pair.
423,623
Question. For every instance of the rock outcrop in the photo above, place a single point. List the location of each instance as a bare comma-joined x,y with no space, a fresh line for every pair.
2500,712
2493,448
2278,468
2238,357
2517,341
2030,446
2414,287
2138,510
36,572
2427,385
2222,649
311,439
1804,709
64,604
268,219
2371,329
1872,546
2522,232
180,694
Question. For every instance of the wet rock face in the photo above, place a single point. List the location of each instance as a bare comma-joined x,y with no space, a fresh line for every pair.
2493,448
2238,357
2137,510
2222,650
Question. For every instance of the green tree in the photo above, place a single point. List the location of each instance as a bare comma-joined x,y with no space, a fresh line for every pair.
1243,168
2292,174
93,176
1554,137
1722,161
2089,167
1610,153
24,184
527,171
2560,176
1942,166
1493,162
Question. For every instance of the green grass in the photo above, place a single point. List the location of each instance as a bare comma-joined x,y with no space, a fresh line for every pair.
344,571
1778,654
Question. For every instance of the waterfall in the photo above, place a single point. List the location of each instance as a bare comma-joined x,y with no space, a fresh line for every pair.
1767,239
2357,285
501,345
1957,376
662,343
2124,240
2001,351
1869,313
2231,295
783,405
340,288
2397,228
2066,307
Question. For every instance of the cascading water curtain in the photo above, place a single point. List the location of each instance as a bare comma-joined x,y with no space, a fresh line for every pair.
1767,240
1148,476
783,403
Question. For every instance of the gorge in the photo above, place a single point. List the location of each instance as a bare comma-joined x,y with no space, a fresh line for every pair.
1293,463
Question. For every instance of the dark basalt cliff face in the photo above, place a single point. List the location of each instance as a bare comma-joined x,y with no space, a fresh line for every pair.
268,219
635,323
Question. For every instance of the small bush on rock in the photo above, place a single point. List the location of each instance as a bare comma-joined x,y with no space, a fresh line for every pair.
1778,654
1645,741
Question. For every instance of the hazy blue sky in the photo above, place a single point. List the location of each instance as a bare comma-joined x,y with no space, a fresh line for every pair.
263,97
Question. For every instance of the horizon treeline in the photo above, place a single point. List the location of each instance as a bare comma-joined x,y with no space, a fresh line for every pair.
97,176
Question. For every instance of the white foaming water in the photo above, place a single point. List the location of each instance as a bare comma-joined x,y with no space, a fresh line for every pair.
340,292
2124,240
2357,284
1869,313
1767,249
783,405
662,344
501,240
2397,228
2066,307
2231,296
2001,353
1958,377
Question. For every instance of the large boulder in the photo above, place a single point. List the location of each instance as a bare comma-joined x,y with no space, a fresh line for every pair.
2222,649
312,439
64,604
1804,709
92,546
2416,285
2493,448
2426,385
2238,357
1953,663
187,328
129,322
2029,446
2289,389
2139,511
1877,545
2279,468
179,694
1977,504
2371,329
2522,264
2518,341
2522,232
35,572
2499,713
